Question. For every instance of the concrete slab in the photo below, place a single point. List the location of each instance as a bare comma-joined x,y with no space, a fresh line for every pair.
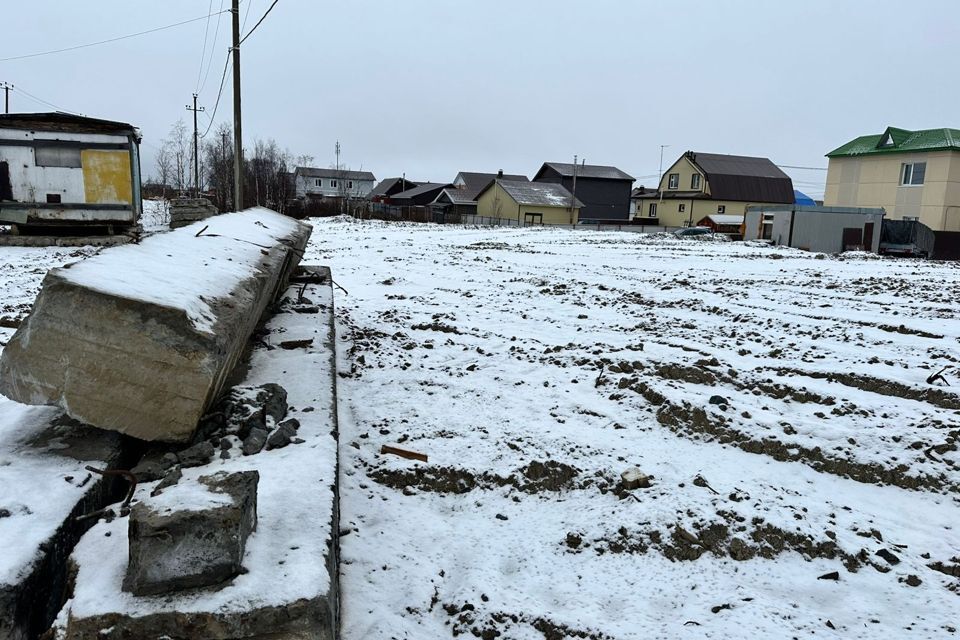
140,339
45,486
290,589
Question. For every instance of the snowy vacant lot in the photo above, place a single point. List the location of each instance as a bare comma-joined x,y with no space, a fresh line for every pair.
803,474
532,366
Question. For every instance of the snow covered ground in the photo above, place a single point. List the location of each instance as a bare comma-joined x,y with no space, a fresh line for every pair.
533,366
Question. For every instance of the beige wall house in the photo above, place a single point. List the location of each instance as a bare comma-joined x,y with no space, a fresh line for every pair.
528,202
701,184
911,174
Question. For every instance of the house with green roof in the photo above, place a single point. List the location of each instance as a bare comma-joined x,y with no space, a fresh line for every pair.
911,174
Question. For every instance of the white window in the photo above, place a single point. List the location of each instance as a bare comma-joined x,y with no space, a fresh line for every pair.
652,211
912,173
349,184
681,208
319,182
333,183
695,181
673,182
721,208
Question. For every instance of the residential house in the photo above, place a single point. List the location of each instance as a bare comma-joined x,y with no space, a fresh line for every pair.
389,187
700,184
310,182
67,171
822,229
461,198
421,195
604,191
911,174
637,201
528,202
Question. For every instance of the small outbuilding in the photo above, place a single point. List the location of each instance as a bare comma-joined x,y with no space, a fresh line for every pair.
821,229
528,203
722,222
62,172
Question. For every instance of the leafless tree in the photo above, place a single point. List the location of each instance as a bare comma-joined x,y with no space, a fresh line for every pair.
164,165
181,154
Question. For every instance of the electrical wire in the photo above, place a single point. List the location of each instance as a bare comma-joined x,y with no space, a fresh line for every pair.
223,78
246,15
249,33
203,51
41,100
213,47
93,44
787,166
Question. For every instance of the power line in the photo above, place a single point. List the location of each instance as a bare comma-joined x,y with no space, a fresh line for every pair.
41,100
213,47
246,15
93,44
787,166
226,65
249,33
203,51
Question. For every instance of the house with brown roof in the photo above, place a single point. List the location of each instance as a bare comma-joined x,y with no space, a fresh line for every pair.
700,184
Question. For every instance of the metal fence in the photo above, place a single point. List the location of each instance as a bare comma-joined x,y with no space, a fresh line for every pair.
437,215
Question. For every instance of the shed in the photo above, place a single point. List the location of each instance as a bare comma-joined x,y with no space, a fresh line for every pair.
59,170
420,195
722,222
821,229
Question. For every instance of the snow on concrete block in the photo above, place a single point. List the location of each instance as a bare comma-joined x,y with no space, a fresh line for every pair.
192,534
141,338
634,478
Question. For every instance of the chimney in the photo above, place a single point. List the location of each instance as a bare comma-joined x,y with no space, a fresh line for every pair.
500,174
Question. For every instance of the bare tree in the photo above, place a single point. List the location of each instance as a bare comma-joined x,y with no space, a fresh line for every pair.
164,164
181,154
218,166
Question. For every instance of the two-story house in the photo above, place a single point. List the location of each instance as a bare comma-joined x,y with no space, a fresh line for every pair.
701,184
310,182
911,174
604,191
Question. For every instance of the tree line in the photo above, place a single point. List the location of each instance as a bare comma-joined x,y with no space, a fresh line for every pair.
266,169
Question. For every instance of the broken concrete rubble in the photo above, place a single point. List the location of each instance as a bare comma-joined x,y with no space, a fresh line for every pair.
289,585
140,338
184,211
191,535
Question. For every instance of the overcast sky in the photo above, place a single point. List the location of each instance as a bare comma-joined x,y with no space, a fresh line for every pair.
431,87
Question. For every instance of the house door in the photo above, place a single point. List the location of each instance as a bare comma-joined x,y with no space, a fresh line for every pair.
533,218
868,236
852,239
6,190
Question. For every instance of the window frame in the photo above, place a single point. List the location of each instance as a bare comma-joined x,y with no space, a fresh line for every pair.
673,181
721,208
682,207
695,178
333,184
56,156
652,210
908,173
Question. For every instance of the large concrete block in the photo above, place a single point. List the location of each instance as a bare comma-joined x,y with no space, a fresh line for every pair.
141,338
191,535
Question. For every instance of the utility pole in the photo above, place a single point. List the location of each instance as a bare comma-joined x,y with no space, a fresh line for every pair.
340,186
6,96
573,194
237,136
660,182
196,148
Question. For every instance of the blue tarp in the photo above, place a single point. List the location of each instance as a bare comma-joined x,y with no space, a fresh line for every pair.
799,197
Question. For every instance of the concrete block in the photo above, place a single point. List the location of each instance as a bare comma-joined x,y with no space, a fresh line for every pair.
191,535
140,339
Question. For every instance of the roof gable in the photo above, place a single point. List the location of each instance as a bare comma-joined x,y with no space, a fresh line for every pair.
476,180
743,178
543,194
894,140
596,171
312,172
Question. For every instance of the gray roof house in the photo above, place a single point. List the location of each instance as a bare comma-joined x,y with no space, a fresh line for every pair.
420,195
312,182
461,198
390,186
604,190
